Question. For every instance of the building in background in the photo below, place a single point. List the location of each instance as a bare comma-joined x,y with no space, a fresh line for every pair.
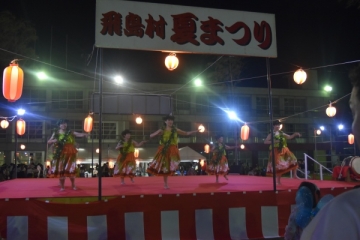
66,95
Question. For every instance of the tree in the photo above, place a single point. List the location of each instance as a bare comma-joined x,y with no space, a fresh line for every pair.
225,69
17,38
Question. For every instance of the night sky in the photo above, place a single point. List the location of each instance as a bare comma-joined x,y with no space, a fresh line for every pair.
310,34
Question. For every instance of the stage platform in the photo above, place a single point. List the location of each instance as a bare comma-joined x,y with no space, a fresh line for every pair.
195,207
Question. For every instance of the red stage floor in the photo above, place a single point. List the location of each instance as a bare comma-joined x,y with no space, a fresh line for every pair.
195,207
87,187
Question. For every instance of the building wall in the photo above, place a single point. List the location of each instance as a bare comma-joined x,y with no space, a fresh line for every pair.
67,96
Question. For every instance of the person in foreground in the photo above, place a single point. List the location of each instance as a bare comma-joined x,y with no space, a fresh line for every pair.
308,203
218,163
64,158
125,163
167,157
340,218
285,160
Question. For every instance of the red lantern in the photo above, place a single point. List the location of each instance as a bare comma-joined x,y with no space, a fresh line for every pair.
207,148
4,123
13,78
136,153
20,126
351,138
245,130
88,124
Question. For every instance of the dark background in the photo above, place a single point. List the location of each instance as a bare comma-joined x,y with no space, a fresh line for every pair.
310,34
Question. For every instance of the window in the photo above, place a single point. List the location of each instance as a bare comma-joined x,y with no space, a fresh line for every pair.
33,130
215,129
108,130
73,125
2,133
216,104
143,129
67,99
262,106
261,130
242,103
34,97
185,126
231,132
301,128
294,105
202,104
182,102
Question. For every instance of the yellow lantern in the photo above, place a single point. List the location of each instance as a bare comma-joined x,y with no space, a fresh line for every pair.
242,146
22,146
20,127
245,130
48,163
4,123
97,150
207,148
111,164
351,138
88,123
171,62
13,78
331,111
318,132
201,128
136,153
300,76
138,120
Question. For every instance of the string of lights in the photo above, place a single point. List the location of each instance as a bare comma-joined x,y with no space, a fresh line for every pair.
185,86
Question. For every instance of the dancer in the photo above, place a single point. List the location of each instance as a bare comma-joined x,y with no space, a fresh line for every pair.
285,160
219,164
125,163
167,157
64,158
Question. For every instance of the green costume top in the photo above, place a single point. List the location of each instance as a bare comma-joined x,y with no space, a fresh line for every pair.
219,149
282,141
70,138
166,137
129,148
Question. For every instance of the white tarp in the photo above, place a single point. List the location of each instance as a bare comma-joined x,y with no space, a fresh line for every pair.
188,154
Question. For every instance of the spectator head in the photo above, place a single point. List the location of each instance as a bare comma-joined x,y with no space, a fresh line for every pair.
315,191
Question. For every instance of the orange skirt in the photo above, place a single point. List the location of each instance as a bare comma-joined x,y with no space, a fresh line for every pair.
220,168
65,166
285,161
165,164
126,167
